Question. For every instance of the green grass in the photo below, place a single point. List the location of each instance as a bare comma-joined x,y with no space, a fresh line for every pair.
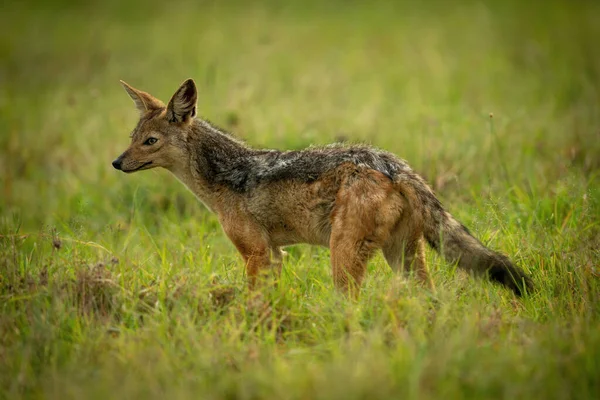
115,286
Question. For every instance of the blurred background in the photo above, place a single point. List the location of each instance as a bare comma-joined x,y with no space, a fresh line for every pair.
115,285
417,78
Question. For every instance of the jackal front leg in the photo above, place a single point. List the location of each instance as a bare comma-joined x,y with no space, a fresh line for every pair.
252,244
277,255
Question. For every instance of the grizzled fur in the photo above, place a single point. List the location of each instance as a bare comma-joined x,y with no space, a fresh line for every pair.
353,199
225,161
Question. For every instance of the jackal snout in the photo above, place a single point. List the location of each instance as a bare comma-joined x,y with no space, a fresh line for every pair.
117,163
125,164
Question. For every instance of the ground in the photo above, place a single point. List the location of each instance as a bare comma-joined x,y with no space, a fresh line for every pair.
124,286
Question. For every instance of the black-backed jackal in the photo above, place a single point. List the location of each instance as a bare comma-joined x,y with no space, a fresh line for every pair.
352,199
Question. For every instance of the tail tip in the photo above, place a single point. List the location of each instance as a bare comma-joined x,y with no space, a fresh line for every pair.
509,275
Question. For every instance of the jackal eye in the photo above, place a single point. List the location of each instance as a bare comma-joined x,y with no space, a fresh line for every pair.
150,141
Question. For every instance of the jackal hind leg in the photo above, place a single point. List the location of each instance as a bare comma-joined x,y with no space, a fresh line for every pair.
363,218
405,254
349,257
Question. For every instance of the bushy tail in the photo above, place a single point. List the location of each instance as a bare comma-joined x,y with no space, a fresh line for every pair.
456,244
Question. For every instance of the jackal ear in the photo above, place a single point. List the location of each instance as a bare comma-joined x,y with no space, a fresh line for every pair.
182,106
143,101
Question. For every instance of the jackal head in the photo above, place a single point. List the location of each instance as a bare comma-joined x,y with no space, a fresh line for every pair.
160,137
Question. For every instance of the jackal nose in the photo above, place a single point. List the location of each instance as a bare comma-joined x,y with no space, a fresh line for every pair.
117,163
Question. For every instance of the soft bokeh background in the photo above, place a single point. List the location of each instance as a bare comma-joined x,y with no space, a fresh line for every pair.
83,245
419,80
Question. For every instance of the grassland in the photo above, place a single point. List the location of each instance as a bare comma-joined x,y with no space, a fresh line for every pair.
115,286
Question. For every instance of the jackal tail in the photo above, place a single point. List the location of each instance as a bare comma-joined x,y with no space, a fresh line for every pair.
455,243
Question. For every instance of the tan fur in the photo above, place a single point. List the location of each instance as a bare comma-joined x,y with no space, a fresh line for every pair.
369,213
351,207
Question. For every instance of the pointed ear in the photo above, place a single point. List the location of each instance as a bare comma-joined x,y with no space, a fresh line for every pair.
182,106
143,101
